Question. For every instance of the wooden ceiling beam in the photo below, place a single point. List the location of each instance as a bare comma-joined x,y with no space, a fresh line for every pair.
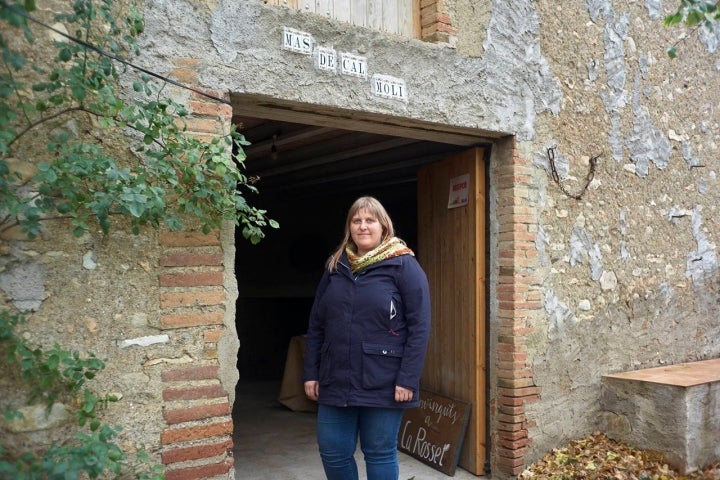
284,138
271,108
335,157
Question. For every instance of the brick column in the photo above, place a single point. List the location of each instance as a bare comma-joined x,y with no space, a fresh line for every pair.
197,440
519,300
435,23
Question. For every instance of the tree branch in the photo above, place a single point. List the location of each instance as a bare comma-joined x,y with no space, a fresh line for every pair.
42,120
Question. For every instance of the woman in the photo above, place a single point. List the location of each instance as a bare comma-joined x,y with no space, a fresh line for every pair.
366,344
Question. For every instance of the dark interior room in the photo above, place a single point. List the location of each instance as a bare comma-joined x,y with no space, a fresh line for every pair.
307,177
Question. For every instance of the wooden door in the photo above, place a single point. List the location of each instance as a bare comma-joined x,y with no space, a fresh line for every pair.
451,249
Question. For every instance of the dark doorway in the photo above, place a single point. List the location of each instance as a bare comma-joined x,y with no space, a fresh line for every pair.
309,170
277,277
308,176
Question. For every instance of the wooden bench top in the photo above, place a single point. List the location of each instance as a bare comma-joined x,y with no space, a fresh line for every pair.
681,375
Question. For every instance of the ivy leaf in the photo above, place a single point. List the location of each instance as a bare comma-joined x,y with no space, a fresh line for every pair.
673,19
65,55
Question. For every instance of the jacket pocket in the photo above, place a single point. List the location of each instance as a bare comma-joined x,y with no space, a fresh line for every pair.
380,364
325,373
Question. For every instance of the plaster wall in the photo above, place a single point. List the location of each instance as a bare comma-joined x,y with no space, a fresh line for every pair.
117,296
443,85
631,270
628,273
95,293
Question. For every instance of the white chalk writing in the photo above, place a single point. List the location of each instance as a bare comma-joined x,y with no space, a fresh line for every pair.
421,448
446,410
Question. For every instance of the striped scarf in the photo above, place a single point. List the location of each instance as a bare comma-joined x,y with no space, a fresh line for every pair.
392,247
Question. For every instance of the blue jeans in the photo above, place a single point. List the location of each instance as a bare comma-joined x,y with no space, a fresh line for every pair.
337,434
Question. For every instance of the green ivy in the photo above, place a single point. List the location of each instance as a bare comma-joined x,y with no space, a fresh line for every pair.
167,175
68,103
694,14
60,375
92,455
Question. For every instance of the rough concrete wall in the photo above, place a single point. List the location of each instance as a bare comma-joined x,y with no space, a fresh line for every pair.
443,85
103,294
680,422
587,78
94,293
649,415
707,419
631,270
629,273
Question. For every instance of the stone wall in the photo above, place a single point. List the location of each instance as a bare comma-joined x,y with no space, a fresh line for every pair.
624,277
158,308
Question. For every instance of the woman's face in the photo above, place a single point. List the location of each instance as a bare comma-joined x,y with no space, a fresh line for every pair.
365,230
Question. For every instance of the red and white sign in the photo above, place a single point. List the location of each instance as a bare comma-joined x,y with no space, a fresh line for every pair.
459,187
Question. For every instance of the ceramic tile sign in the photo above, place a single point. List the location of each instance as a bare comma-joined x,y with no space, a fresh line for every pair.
329,60
353,65
326,59
389,87
297,41
434,432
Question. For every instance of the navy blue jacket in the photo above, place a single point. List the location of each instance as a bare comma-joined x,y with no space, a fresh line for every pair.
369,332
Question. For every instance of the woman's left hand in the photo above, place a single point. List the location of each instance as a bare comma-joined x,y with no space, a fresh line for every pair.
403,394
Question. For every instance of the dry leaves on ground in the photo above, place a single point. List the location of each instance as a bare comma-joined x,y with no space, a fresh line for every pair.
598,457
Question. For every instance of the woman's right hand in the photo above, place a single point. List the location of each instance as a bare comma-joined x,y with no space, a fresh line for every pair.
312,389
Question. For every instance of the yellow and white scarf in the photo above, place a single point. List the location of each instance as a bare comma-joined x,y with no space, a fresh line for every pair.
392,247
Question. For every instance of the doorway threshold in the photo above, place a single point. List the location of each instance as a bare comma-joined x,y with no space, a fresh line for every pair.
272,441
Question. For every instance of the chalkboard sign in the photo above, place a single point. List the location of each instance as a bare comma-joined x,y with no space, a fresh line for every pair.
434,432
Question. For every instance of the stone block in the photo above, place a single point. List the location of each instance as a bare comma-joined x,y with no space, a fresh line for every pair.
38,417
673,410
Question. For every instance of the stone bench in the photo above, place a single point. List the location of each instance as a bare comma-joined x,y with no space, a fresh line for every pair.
673,410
